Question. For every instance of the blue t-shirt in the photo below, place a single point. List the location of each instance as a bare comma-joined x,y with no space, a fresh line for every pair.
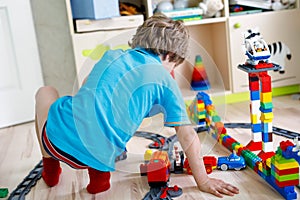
122,89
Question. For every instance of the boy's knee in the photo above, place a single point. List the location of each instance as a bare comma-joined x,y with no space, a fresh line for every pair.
45,90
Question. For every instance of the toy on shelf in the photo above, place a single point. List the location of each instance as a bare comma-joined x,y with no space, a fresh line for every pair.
283,4
199,76
211,8
232,161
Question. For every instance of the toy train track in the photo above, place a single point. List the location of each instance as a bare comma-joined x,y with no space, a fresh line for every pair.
163,193
158,140
162,142
276,130
28,182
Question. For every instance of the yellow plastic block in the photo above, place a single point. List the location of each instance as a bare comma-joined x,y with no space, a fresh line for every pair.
210,108
266,97
201,116
266,117
287,165
201,106
254,119
260,166
148,154
237,147
268,162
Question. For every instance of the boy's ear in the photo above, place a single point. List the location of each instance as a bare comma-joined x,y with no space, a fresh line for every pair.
165,57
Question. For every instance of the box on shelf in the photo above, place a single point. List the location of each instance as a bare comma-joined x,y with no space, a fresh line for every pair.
94,9
114,23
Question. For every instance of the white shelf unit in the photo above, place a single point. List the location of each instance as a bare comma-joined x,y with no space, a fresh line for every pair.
221,42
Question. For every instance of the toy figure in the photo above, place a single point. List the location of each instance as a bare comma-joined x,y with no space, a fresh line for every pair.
90,129
283,4
211,8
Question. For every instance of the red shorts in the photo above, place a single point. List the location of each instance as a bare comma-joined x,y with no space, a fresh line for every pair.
58,154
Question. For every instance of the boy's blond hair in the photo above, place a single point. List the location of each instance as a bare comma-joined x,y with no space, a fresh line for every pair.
163,36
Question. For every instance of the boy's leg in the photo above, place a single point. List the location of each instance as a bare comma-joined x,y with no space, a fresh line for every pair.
99,181
45,96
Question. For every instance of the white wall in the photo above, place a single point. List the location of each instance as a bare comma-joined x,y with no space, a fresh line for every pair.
54,43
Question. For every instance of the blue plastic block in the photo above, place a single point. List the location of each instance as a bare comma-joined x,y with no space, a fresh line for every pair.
287,192
255,128
264,110
200,85
205,97
225,138
266,137
254,95
265,128
289,153
94,9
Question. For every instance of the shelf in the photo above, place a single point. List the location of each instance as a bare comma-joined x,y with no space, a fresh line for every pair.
206,21
263,4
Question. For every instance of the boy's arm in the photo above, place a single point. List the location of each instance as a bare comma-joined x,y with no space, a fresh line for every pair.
191,145
84,80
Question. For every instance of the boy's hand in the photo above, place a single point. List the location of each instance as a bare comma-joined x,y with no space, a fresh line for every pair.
218,187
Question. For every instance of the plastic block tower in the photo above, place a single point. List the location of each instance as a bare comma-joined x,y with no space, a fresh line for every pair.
197,111
284,170
199,76
261,111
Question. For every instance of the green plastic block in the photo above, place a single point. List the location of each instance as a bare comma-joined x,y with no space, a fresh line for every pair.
288,177
267,105
3,192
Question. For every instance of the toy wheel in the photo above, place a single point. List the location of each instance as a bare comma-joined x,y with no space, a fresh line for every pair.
237,169
208,170
224,167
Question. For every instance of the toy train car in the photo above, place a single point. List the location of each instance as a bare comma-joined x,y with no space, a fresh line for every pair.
158,169
210,163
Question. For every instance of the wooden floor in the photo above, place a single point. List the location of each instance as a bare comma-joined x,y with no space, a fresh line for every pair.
19,153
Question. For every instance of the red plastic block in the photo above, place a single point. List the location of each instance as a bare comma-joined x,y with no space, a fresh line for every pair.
265,155
285,144
286,183
265,80
253,82
286,171
263,65
254,146
253,86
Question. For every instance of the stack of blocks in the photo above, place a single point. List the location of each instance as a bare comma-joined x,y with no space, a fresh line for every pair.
199,76
266,108
281,170
255,113
197,111
261,112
